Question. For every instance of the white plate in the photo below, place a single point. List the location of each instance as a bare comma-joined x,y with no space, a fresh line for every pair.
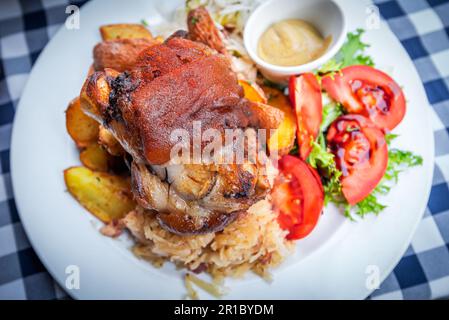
331,263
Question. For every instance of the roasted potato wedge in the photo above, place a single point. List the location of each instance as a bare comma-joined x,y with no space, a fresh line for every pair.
106,196
82,129
96,158
253,92
269,117
108,141
124,31
284,137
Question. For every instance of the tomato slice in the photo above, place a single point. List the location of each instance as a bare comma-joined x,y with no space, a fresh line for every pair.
370,92
297,196
361,154
305,96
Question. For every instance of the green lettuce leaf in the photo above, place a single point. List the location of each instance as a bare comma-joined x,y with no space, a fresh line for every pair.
398,161
320,158
331,112
353,51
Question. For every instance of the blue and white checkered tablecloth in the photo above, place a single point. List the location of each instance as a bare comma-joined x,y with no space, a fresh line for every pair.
422,26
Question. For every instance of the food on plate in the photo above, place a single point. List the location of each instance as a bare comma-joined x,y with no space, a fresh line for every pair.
164,91
227,41
120,54
105,195
292,42
253,92
370,92
297,196
82,129
125,31
97,158
361,155
109,142
283,139
202,29
145,95
352,56
305,96
254,242
211,288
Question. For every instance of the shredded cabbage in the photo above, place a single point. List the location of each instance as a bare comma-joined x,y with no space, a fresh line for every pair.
227,13
229,16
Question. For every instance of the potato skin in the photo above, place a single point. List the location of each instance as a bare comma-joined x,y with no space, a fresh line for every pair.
82,129
124,31
108,197
97,158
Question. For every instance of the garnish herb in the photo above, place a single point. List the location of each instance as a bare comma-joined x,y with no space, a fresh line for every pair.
194,20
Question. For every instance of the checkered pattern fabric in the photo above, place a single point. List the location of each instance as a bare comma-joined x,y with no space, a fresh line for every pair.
422,26
25,28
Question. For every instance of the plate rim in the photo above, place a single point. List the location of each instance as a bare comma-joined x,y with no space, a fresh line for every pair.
73,293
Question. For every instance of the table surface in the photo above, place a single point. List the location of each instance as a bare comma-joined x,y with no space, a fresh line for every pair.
422,26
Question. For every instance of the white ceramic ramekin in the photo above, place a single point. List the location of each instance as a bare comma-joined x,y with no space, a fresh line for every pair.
326,15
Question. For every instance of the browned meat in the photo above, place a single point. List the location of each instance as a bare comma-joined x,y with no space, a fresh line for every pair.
170,86
200,199
119,54
205,90
173,54
152,101
202,29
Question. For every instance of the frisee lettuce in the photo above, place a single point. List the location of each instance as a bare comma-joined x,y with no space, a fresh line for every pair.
368,205
353,51
323,160
398,161
331,111
389,137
